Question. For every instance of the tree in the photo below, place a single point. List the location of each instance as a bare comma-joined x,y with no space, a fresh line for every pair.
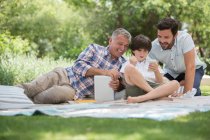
55,28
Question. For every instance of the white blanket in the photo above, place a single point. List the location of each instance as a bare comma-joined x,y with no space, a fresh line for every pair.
157,110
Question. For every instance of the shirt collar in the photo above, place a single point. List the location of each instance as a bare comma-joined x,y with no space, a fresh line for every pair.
144,61
108,54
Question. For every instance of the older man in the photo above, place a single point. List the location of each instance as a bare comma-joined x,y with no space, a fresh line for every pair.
76,82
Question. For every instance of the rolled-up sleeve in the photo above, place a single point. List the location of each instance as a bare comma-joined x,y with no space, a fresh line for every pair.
83,63
188,44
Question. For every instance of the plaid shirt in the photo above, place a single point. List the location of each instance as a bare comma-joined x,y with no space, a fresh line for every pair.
93,56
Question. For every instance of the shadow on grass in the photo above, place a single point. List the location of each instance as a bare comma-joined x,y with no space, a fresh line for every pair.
194,126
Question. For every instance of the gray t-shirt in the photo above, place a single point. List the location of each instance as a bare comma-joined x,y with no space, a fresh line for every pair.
173,59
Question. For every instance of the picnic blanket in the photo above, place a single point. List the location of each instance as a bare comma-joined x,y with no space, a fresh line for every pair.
16,103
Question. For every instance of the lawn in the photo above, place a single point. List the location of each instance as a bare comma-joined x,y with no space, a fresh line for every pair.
191,127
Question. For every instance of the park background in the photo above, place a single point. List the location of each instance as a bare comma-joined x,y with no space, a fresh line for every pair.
39,35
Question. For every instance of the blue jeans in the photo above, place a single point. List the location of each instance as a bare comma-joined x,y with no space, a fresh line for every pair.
197,80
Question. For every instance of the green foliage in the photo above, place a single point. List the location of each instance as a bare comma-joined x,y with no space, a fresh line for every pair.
16,69
62,28
52,25
197,17
207,61
13,44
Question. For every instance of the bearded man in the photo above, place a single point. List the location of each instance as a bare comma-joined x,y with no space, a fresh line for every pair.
176,51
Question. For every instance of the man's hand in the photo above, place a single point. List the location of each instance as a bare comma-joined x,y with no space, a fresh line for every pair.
181,83
114,74
175,94
114,84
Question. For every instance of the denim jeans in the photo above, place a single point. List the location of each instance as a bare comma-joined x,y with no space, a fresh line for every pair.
197,80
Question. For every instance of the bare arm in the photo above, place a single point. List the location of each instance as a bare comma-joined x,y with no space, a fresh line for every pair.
133,60
158,76
155,68
189,59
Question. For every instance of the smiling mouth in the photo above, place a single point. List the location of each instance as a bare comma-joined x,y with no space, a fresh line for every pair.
120,51
164,44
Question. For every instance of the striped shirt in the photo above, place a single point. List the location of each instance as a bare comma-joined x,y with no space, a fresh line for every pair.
93,56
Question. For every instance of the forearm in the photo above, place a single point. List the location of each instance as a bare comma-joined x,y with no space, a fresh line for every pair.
189,59
94,71
189,80
158,77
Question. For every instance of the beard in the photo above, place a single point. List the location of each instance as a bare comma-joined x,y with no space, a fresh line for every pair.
167,46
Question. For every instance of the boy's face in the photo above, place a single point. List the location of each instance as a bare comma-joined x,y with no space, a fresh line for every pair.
140,54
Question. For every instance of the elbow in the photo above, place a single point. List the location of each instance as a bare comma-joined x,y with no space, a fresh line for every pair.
192,68
190,71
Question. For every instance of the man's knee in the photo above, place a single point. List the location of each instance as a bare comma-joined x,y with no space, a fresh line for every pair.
55,95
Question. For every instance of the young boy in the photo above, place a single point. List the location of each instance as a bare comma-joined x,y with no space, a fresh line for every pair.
139,67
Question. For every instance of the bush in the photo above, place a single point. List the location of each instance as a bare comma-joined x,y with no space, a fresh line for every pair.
207,61
15,69
13,44
55,28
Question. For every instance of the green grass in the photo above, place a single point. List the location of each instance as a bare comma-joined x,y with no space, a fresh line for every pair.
205,90
192,127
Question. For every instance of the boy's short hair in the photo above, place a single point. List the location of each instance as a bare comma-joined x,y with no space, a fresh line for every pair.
141,42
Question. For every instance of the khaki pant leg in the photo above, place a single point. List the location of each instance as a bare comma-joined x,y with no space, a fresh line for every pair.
55,95
134,91
56,77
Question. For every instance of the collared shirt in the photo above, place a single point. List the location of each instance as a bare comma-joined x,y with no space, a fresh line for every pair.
143,69
173,59
93,56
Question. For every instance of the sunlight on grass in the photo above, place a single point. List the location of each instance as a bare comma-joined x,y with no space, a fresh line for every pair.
183,119
63,136
135,136
85,136
205,90
193,126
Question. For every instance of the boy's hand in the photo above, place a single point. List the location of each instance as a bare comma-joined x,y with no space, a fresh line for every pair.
133,60
153,66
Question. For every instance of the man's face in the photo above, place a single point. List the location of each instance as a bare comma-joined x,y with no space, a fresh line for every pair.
166,39
118,46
